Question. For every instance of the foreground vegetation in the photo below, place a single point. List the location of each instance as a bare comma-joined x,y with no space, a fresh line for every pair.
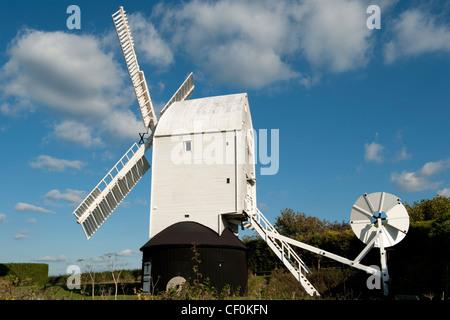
418,266
278,285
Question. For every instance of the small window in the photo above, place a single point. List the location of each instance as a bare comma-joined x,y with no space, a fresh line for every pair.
186,216
228,180
147,268
187,146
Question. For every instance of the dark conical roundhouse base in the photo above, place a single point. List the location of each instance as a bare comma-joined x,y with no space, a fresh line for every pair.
168,258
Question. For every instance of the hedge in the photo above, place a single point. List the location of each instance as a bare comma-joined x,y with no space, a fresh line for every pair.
28,273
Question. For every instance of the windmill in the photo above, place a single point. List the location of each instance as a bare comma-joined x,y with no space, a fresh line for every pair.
204,188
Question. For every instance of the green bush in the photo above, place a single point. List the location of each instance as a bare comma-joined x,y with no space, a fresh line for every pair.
27,273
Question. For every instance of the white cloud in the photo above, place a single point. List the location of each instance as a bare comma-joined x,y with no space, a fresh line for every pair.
244,43
52,259
444,192
251,43
73,76
22,235
67,72
2,216
403,155
29,207
334,34
54,164
373,152
74,197
141,202
122,123
149,47
414,33
241,42
127,253
420,180
32,220
78,133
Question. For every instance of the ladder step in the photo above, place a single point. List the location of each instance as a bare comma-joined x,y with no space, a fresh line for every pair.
285,253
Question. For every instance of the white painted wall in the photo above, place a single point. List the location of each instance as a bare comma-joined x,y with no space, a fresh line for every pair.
210,180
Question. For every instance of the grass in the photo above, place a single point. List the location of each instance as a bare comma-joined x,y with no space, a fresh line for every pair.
103,291
279,285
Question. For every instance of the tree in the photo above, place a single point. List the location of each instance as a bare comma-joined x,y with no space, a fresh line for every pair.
111,259
334,237
260,258
428,209
421,262
90,270
293,224
303,227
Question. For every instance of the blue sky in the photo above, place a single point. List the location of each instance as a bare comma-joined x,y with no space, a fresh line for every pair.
358,110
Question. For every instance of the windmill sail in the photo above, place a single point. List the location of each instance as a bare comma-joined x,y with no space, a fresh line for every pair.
112,189
183,92
136,75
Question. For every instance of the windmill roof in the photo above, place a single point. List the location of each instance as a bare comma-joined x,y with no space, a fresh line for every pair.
186,233
202,115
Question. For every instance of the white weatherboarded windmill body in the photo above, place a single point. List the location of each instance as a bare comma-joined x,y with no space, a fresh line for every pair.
204,187
203,168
